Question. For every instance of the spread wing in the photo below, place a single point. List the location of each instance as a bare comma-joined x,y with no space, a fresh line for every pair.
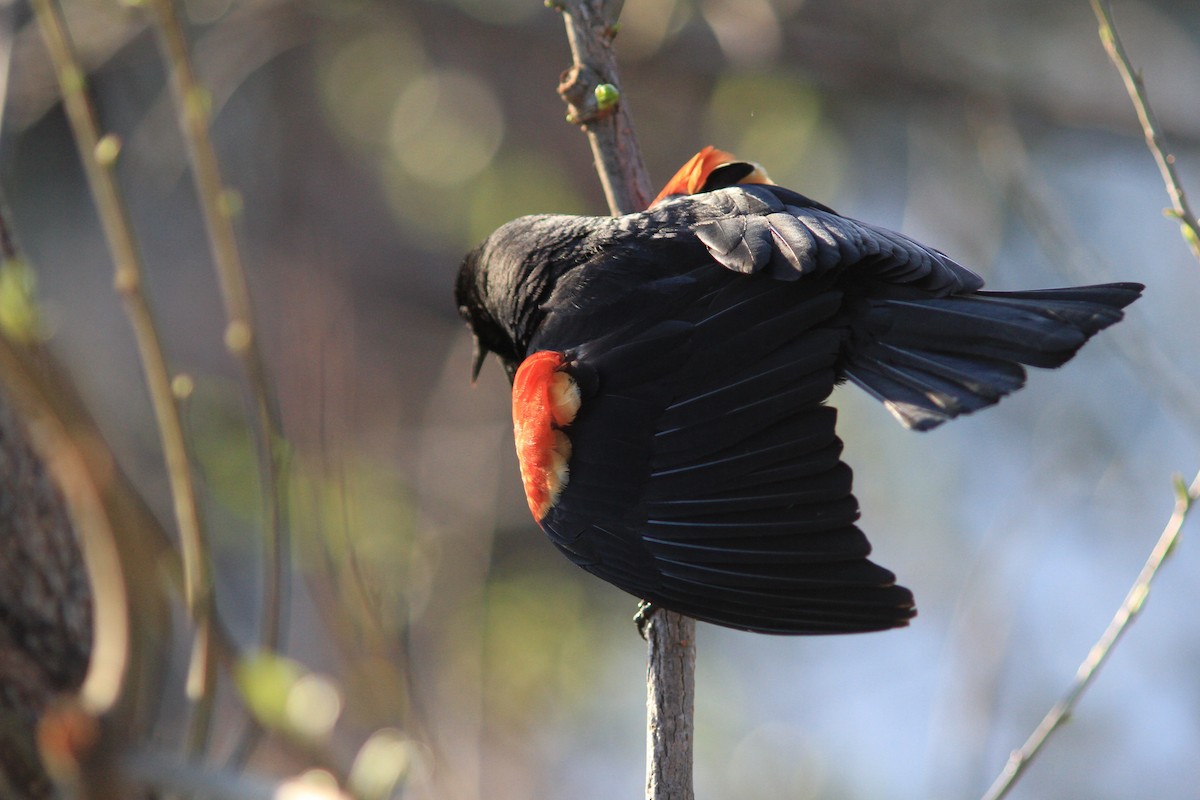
705,473
927,342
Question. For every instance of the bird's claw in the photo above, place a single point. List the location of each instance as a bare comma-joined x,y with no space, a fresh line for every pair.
645,611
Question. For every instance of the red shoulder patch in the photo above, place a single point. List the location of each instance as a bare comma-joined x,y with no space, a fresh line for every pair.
545,400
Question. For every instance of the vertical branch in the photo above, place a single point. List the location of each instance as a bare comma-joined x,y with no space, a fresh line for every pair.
670,699
605,120
219,205
591,89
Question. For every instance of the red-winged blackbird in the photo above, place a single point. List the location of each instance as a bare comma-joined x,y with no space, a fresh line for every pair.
669,369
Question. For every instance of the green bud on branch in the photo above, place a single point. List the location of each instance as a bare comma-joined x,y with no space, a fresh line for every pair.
607,96
107,149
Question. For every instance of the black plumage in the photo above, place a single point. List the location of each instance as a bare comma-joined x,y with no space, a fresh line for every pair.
705,335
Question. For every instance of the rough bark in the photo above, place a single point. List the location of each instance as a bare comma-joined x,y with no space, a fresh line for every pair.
670,695
45,607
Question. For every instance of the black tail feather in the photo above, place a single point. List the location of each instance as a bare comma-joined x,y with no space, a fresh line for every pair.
929,360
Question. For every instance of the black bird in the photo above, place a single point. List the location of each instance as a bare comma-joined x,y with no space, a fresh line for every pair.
670,369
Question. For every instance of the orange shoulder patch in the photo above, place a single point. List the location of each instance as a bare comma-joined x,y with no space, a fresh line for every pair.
694,176
691,176
545,400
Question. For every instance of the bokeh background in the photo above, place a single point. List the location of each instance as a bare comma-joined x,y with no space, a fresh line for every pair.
373,143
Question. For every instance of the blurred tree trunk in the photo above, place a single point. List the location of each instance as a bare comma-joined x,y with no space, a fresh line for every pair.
45,607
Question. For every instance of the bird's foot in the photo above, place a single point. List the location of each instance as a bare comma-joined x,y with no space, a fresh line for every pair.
645,611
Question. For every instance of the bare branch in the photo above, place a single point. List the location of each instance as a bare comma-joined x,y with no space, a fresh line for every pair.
219,205
1189,225
609,127
670,699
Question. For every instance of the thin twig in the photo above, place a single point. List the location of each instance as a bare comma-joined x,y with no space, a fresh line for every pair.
1185,496
219,205
99,155
1189,225
670,637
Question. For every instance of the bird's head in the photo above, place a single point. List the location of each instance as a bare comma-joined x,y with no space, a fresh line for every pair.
503,282
476,307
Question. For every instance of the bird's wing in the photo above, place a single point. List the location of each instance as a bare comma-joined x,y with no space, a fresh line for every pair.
703,471
757,228
926,342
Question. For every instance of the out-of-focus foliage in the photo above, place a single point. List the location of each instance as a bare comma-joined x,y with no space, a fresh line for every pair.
778,118
372,144
271,686
223,446
538,648
19,315
434,134
381,763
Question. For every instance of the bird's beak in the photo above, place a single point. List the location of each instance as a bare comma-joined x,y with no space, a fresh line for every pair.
477,356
